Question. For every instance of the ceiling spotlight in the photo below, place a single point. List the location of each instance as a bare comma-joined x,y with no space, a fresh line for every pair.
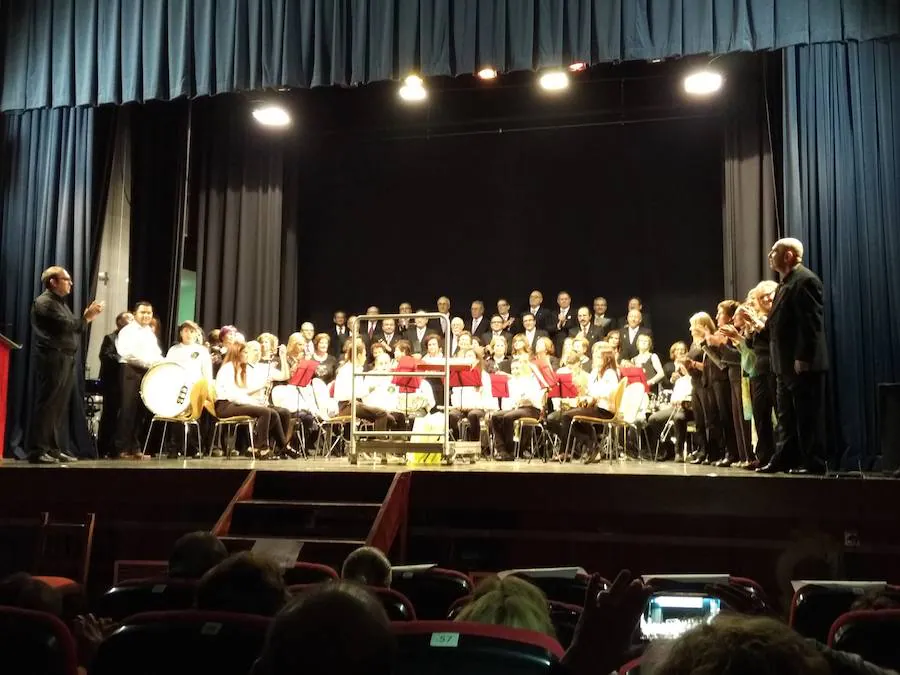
413,81
487,74
655,60
271,116
578,66
703,82
555,80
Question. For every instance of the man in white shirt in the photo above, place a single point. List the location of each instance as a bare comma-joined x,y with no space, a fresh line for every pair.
308,331
456,328
368,327
403,325
138,348
532,332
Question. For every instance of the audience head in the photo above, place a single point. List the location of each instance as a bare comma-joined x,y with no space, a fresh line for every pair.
368,566
874,600
244,583
535,299
443,304
194,554
337,627
600,305
736,645
402,348
511,602
25,592
644,344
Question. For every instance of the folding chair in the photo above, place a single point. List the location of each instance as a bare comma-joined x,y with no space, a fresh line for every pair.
199,397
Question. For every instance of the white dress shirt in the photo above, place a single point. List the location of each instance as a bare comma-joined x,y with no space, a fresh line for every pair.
601,389
137,346
525,391
229,390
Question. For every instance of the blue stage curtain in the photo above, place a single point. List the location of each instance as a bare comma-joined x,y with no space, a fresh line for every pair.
46,183
842,199
84,52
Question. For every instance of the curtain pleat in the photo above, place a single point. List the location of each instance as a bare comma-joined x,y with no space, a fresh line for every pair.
45,219
83,52
842,172
244,223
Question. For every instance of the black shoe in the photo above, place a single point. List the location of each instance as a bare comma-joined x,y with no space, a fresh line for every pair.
771,467
43,458
64,456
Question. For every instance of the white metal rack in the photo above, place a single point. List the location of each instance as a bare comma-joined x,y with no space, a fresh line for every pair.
398,442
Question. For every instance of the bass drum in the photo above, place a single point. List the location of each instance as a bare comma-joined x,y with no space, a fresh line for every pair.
166,389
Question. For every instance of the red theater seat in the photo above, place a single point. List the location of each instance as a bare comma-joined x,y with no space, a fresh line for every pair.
432,591
397,605
308,573
183,643
815,608
35,643
872,634
147,595
449,647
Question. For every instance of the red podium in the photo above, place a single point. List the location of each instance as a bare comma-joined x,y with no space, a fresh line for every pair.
6,347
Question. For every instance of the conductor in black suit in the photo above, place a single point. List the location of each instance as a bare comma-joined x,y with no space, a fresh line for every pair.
56,333
799,359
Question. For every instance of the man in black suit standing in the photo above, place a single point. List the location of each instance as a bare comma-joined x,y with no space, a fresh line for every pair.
586,327
56,333
603,323
339,334
477,325
799,358
110,386
630,331
543,317
635,303
532,331
563,322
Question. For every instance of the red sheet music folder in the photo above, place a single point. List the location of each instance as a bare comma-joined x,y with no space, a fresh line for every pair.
546,374
465,378
407,384
304,374
635,374
564,387
500,385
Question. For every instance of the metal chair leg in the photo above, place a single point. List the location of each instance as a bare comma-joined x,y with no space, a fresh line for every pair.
184,445
147,440
162,440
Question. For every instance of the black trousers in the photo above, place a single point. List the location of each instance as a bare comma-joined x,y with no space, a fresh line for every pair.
132,422
657,422
569,415
474,417
109,418
720,423
743,440
800,433
502,424
271,423
54,377
699,401
762,396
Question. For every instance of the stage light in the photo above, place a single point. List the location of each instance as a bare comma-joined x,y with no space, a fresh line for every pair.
487,74
271,116
703,82
578,66
413,89
655,60
555,80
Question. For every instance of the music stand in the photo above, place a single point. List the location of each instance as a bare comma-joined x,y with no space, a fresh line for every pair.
303,375
407,384
499,387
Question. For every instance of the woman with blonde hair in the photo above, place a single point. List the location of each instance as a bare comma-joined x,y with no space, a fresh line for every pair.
510,602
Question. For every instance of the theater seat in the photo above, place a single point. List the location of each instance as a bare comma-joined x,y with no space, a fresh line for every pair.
872,634
397,605
433,591
815,608
183,643
565,618
560,589
35,643
633,667
308,573
147,595
451,648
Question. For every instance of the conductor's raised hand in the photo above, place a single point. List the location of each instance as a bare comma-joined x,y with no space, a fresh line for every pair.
93,310
604,631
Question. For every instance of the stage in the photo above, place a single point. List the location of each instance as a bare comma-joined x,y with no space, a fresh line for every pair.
652,517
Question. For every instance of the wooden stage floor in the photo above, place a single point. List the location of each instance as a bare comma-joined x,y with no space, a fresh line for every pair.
603,467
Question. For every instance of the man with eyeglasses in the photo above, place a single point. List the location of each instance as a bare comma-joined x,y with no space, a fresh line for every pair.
56,334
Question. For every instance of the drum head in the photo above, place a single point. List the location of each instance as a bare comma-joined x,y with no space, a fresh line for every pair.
165,389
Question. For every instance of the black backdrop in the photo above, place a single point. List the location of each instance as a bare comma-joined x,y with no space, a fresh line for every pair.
600,210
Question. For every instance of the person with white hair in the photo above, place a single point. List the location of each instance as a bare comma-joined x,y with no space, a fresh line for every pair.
799,359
